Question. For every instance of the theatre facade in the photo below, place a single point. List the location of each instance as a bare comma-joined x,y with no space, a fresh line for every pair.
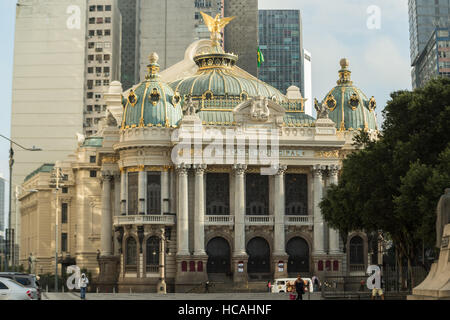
175,189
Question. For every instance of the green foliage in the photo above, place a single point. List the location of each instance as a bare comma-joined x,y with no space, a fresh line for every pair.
394,183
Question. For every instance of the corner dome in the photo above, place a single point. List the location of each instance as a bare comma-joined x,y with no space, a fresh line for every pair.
348,106
152,102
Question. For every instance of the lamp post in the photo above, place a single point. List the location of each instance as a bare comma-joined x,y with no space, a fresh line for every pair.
162,287
8,249
58,176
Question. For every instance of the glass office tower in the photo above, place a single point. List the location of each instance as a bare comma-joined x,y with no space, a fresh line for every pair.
281,42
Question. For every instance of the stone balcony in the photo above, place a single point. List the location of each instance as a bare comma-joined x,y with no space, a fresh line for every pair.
223,220
299,220
228,220
147,219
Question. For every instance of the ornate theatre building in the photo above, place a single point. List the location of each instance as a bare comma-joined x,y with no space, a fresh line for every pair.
136,218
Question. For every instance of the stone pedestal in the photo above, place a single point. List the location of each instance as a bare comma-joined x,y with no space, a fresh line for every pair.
191,277
436,286
109,273
239,265
280,263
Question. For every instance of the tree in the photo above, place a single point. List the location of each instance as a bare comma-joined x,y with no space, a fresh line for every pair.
393,184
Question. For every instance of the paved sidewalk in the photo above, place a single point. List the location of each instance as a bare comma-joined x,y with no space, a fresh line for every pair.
174,296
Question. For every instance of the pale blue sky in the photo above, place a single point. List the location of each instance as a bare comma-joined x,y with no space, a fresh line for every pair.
332,29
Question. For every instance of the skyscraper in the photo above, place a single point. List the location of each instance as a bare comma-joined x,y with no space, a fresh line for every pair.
65,55
424,17
281,42
307,72
241,36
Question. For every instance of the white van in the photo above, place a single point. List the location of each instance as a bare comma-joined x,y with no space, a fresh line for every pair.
281,284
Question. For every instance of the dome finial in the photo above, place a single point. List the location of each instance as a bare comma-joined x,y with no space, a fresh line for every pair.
153,67
344,63
344,73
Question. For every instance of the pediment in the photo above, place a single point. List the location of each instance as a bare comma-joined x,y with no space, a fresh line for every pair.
259,110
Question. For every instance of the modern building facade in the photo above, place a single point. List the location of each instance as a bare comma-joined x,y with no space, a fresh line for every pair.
281,42
241,36
211,8
434,60
307,76
424,17
66,53
140,206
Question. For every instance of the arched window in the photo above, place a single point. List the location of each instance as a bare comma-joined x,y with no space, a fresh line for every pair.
152,253
296,190
257,194
217,194
131,254
357,250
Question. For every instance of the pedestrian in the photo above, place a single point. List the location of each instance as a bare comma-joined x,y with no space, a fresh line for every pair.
377,290
83,283
269,286
207,287
316,283
299,287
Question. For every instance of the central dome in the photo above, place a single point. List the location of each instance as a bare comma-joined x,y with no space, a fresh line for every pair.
219,78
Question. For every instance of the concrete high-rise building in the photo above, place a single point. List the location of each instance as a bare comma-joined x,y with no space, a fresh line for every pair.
434,60
2,204
65,55
166,27
241,36
281,42
307,73
211,8
424,17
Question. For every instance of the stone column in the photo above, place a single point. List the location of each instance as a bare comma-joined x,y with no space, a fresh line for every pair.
279,208
182,212
334,234
199,214
239,210
116,207
106,228
142,194
123,192
318,219
165,187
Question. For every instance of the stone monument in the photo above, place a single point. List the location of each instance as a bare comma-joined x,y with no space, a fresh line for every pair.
437,284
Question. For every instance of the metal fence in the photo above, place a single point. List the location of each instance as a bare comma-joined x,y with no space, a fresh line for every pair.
356,287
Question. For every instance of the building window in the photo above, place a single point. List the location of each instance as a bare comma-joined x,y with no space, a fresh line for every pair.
106,82
63,242
152,252
108,8
91,70
257,194
91,33
93,174
217,194
90,95
191,266
153,193
91,45
92,8
99,20
131,253
107,57
183,266
64,211
133,181
296,188
92,159
99,8
107,32
89,108
99,32
357,250
97,108
91,20
65,190
108,20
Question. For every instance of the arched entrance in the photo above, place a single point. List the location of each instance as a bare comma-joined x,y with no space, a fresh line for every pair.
258,251
298,250
218,251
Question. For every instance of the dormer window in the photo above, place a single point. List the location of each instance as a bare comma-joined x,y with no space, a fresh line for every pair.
154,96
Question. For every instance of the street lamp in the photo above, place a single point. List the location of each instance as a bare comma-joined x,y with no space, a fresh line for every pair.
8,249
162,287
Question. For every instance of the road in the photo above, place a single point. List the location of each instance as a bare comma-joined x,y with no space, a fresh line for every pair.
174,296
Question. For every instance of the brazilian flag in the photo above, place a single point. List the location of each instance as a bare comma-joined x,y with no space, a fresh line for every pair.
260,57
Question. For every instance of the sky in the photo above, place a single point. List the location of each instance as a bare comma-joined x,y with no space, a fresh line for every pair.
332,29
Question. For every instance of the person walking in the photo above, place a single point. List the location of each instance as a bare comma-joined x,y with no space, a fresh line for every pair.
83,283
316,283
207,287
299,287
269,286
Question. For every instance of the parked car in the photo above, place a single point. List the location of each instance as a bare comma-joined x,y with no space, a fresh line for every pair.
12,290
27,280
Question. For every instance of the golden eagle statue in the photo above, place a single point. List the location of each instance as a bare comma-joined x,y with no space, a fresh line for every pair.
215,26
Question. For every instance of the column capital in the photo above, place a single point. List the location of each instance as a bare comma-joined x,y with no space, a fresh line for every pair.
199,168
182,168
281,170
317,170
240,168
107,175
334,170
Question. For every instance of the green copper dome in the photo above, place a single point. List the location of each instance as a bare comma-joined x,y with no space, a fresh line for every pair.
348,106
218,78
152,102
